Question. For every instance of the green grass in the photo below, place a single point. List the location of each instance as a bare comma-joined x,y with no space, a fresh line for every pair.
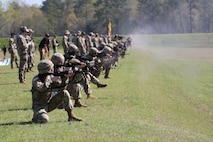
156,93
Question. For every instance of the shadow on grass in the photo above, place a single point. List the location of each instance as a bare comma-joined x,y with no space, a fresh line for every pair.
16,109
8,83
5,72
16,123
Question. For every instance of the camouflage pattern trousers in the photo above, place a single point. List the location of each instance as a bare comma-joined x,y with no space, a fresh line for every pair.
41,110
22,68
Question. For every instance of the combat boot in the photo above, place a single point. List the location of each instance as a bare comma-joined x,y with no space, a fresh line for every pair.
106,77
78,103
90,96
71,116
99,85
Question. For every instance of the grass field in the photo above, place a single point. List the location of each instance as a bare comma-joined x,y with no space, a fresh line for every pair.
160,92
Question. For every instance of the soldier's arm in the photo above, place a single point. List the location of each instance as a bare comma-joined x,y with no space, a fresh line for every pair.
42,86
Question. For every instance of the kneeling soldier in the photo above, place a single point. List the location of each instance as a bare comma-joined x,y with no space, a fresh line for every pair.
44,99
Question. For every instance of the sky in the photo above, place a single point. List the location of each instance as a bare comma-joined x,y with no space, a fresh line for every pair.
30,2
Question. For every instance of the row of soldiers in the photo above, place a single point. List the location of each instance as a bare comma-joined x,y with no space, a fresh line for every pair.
66,74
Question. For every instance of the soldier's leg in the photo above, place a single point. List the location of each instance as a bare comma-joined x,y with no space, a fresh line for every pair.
16,61
107,71
75,91
11,62
96,81
44,53
40,115
40,53
22,70
63,96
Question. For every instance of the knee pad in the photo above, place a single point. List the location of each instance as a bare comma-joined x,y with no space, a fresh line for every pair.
41,116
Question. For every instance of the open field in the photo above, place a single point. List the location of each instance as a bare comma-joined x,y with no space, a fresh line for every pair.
161,91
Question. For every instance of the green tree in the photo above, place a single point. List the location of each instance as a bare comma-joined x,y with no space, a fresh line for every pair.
53,10
84,10
149,15
116,11
206,14
192,7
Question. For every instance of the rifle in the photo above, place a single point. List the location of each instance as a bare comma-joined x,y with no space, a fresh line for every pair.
61,74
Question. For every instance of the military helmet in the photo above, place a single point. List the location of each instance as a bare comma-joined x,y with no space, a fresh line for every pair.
57,58
47,35
73,49
102,45
24,29
106,50
31,31
93,50
44,66
66,32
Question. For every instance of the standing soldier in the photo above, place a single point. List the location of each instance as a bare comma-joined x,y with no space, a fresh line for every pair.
95,40
55,44
4,49
89,42
81,43
128,42
44,47
22,50
31,48
66,41
13,50
74,39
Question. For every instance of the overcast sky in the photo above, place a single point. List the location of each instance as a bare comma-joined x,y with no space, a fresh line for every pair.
30,2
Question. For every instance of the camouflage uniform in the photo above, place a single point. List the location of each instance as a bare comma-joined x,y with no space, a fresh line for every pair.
66,41
30,50
78,82
94,63
22,50
81,43
107,60
13,50
95,40
55,44
44,99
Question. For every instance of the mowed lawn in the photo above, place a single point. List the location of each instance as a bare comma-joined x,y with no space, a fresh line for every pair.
161,91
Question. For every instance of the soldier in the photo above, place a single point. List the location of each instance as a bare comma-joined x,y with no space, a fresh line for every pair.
74,39
4,50
55,44
13,50
95,40
107,60
81,43
31,48
44,47
94,66
22,50
94,56
128,42
89,42
66,41
76,82
79,80
44,99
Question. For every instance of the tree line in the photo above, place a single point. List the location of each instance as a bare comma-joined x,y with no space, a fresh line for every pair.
127,16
